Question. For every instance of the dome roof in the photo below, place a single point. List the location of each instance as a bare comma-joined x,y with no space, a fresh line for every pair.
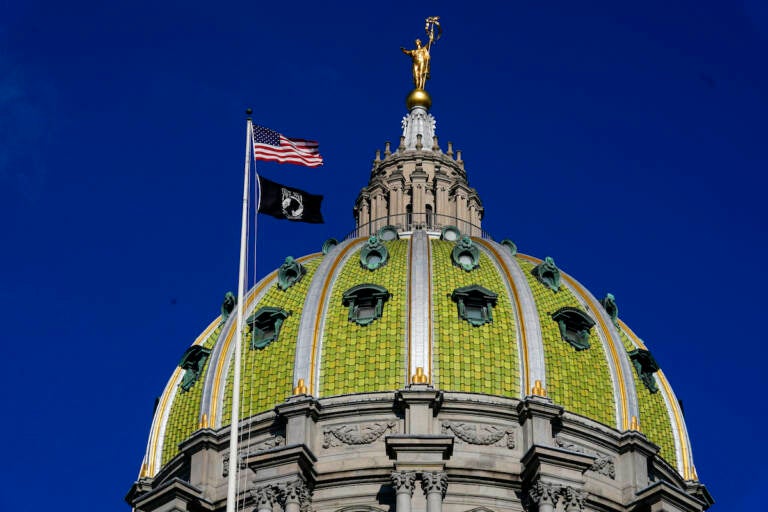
471,314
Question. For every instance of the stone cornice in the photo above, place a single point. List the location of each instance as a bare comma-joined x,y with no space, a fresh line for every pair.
542,460
299,456
173,489
663,492
303,405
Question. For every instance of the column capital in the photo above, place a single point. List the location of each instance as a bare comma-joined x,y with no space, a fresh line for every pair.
297,493
404,481
573,499
542,494
433,482
265,497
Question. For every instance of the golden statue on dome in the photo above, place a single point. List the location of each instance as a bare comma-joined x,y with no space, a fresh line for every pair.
421,57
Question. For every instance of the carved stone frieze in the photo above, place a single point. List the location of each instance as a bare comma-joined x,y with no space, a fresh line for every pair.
403,481
361,433
267,444
482,434
603,465
434,482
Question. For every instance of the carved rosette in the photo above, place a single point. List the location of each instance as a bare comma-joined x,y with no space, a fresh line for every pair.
434,482
542,494
573,499
365,433
481,434
404,481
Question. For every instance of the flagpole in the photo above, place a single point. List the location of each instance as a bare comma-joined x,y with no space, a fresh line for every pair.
234,460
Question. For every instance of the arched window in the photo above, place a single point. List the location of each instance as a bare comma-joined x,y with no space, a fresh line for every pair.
409,217
430,216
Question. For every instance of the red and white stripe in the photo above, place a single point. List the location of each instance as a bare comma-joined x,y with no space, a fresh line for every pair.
291,151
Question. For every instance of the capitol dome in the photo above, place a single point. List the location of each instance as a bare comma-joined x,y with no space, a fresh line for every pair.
420,348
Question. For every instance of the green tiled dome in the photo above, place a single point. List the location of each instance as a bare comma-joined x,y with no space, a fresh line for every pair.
513,348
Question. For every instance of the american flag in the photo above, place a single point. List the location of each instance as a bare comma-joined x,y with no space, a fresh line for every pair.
272,146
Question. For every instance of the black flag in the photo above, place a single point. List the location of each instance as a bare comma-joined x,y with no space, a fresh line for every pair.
289,203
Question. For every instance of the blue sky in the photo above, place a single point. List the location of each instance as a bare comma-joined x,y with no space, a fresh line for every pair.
626,141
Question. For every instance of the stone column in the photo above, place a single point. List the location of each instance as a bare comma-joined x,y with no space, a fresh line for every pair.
363,218
434,484
297,497
419,184
544,496
403,482
265,498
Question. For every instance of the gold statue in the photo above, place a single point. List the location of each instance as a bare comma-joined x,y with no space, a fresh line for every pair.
420,54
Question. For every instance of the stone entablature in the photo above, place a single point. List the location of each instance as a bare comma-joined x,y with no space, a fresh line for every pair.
420,449
423,187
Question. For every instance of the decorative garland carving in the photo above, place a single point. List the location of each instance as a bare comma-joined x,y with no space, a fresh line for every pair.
364,433
482,434
603,465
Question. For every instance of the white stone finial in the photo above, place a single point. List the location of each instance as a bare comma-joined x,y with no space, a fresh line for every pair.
418,122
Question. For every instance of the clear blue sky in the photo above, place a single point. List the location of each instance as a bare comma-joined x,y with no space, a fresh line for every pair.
628,141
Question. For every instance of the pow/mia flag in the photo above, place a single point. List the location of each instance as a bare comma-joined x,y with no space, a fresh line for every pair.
289,203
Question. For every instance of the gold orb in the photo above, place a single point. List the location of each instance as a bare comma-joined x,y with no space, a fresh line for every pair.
418,98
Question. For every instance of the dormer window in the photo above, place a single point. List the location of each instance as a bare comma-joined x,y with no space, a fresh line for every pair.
388,233
646,366
264,326
465,254
193,361
574,326
374,254
450,234
475,304
548,274
365,302
289,273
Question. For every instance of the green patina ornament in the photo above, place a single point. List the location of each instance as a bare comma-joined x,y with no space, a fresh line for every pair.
475,304
574,326
388,233
328,245
264,326
192,361
289,273
548,274
365,302
465,254
450,234
374,254
609,303
646,366
509,244
230,301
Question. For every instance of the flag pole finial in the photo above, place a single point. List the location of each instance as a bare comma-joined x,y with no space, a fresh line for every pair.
248,112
